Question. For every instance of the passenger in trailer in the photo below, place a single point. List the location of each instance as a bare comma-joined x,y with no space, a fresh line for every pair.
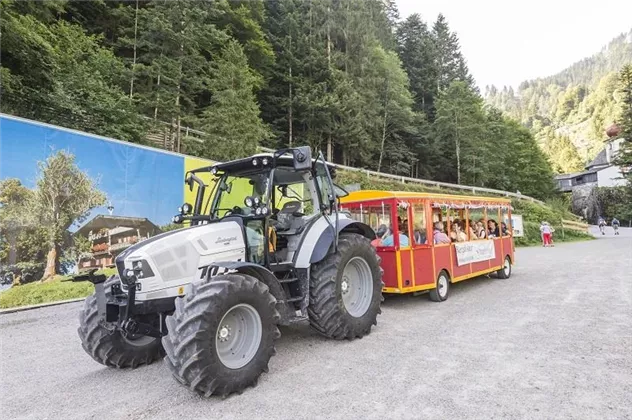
389,240
503,229
439,235
472,233
420,236
456,232
493,228
381,232
481,233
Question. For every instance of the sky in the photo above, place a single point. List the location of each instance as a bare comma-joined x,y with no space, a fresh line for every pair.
508,42
137,182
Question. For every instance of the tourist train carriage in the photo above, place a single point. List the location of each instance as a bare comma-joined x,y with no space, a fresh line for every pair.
421,264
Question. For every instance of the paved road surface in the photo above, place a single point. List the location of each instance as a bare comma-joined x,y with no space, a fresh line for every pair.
554,342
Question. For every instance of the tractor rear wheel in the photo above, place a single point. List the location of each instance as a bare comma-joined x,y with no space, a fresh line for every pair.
221,335
346,290
108,345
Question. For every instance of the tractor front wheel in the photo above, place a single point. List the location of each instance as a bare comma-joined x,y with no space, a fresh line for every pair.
108,345
221,335
346,290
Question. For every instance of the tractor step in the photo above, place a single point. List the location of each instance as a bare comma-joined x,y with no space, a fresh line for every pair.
284,266
293,299
290,280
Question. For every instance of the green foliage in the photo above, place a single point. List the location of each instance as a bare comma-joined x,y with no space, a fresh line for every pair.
609,202
345,77
232,119
532,235
64,195
571,109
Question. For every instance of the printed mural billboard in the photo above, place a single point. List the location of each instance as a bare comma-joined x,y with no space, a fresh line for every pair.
141,189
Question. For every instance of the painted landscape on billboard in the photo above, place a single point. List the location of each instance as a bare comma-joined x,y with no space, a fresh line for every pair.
72,201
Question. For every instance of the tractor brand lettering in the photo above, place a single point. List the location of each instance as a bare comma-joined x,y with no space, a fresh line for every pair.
226,241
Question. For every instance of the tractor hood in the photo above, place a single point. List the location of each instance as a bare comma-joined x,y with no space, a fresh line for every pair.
180,256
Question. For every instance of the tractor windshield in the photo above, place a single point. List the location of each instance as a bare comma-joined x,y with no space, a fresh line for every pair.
233,189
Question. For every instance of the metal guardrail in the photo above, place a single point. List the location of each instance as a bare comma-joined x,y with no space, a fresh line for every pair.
437,184
189,133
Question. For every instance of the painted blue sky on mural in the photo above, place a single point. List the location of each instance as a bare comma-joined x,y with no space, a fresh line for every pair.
138,182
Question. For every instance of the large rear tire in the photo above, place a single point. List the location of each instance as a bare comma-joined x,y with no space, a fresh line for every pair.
108,345
346,290
221,335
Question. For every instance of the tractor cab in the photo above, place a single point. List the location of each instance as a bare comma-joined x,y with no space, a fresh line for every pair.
275,196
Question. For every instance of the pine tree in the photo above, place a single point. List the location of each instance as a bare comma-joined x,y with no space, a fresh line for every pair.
624,157
418,54
449,60
232,122
459,131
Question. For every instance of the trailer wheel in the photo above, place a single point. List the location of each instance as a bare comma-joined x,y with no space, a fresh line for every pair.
505,271
346,290
440,292
109,346
221,335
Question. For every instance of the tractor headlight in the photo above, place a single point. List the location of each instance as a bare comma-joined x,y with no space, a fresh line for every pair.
214,170
258,211
257,201
264,211
129,276
176,219
248,202
265,161
187,208
180,209
255,162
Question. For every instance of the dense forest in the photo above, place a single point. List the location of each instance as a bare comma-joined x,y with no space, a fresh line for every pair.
350,78
570,111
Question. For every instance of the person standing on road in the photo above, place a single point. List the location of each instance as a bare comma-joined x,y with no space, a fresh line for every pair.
546,232
615,225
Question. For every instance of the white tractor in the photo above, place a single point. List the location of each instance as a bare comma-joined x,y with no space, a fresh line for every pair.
268,247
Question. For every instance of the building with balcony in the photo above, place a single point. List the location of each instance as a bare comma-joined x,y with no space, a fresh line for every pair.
110,235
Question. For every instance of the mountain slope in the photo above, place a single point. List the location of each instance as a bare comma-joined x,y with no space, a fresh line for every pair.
570,110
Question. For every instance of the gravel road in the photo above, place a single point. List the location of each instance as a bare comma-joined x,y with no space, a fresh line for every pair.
552,342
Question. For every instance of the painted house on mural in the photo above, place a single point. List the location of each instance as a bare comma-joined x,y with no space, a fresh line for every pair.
600,172
110,235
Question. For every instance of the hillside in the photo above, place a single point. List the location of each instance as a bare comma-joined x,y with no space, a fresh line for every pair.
349,78
569,111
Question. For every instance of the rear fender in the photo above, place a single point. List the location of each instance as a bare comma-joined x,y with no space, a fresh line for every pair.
326,240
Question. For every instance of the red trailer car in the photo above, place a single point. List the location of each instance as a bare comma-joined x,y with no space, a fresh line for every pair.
428,241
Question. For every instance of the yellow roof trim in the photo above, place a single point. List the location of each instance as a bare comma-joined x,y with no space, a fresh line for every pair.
367,195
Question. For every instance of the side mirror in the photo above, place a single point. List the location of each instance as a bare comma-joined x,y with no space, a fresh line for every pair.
302,158
188,180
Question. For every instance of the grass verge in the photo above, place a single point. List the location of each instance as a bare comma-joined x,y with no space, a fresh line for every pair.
51,291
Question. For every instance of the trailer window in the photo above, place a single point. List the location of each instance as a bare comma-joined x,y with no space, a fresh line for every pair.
478,225
420,234
374,215
505,227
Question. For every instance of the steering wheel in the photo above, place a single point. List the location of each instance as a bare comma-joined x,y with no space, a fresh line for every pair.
235,210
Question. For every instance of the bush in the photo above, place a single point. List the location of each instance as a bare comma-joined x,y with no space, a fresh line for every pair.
532,234
26,272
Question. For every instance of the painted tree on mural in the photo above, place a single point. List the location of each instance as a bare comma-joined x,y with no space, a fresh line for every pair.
64,195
